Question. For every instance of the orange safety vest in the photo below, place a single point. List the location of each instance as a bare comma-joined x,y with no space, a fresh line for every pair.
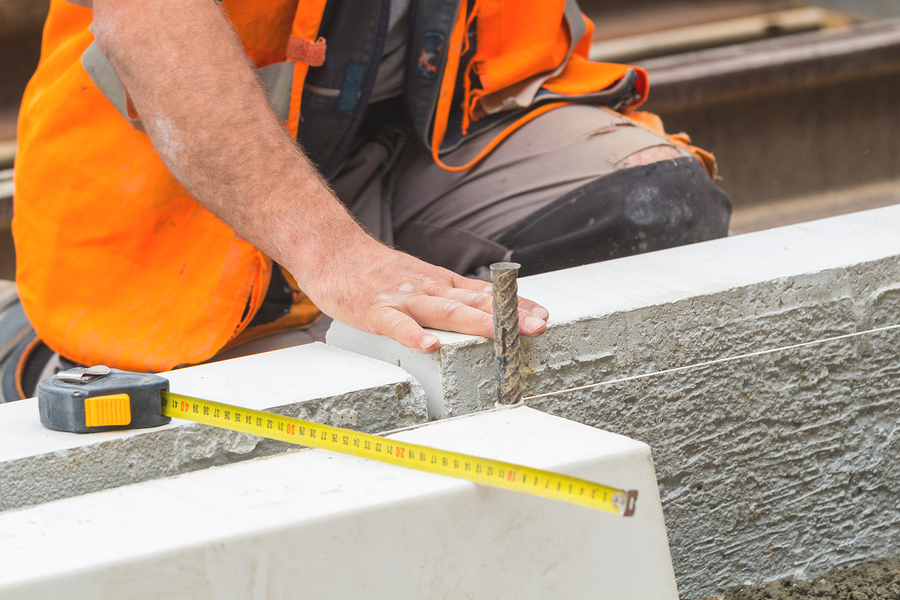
119,265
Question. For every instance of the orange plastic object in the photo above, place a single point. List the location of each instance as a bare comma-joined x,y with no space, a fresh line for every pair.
101,411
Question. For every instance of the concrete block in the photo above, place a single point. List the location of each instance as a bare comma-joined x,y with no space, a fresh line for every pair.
313,382
777,465
314,524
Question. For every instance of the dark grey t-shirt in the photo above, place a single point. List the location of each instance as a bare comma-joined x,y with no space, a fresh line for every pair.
389,81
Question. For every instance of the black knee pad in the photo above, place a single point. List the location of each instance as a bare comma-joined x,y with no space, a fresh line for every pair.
640,209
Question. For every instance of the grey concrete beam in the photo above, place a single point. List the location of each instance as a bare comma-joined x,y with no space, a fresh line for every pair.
313,382
779,464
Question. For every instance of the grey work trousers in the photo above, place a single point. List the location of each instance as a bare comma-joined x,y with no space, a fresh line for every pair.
558,173
455,220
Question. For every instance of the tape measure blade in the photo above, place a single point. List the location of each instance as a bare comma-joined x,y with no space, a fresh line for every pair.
495,473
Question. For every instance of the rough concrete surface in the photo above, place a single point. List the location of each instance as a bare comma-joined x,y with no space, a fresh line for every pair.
782,464
777,465
38,465
878,580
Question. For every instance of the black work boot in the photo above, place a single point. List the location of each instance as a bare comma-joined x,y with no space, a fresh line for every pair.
24,359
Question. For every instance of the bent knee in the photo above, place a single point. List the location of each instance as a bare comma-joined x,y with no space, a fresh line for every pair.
652,206
650,155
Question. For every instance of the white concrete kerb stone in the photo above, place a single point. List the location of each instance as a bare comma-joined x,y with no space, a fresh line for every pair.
316,524
459,378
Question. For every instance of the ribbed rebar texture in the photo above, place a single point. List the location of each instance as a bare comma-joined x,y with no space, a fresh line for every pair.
506,332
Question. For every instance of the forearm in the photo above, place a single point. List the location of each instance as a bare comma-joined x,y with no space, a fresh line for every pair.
212,125
210,121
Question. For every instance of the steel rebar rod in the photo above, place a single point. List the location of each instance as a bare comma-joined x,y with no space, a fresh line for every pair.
507,362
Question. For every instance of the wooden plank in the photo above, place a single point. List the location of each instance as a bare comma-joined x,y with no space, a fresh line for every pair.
7,153
6,195
873,9
802,60
612,21
21,16
707,35
787,211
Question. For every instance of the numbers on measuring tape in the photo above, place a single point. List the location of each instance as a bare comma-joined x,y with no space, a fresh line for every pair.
475,469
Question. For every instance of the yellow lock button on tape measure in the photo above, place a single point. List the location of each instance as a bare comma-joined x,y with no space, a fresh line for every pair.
103,399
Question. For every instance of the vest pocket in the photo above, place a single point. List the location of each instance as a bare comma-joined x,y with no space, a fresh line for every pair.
322,125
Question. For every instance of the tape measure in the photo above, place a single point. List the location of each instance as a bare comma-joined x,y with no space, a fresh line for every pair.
102,399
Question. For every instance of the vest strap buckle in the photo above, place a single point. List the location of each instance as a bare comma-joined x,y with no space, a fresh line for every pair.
306,51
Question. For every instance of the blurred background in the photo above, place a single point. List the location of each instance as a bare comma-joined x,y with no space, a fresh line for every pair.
799,100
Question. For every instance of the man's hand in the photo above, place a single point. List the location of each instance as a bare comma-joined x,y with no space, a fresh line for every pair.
380,290
211,123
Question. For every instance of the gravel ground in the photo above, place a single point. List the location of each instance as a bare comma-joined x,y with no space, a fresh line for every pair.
879,580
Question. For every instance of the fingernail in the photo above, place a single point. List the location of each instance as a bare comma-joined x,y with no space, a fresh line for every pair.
541,313
533,323
428,341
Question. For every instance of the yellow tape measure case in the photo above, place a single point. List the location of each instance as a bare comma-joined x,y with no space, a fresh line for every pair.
87,400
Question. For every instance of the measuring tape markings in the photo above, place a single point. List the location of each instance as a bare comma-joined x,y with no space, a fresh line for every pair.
485,471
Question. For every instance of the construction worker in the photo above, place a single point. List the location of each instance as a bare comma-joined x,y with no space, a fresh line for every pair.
164,212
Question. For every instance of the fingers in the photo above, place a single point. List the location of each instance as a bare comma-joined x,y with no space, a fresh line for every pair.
402,328
534,308
458,281
531,326
452,315
483,300
457,304
476,299
532,316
